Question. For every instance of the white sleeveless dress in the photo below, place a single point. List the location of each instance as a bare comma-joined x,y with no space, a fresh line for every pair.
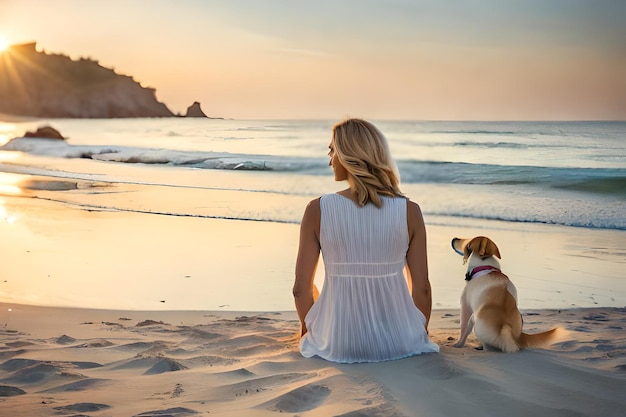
364,312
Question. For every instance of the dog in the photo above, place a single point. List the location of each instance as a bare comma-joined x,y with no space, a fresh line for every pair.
489,301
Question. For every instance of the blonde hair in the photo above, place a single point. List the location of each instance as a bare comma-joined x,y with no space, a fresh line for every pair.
364,153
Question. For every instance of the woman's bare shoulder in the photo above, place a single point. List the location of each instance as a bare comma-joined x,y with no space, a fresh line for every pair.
412,207
413,214
312,218
312,210
314,204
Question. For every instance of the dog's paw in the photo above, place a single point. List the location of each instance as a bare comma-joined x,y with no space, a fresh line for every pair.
459,345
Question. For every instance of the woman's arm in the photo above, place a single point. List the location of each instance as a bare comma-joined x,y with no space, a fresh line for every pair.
306,263
417,261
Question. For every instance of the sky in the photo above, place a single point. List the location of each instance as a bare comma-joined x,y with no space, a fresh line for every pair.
329,59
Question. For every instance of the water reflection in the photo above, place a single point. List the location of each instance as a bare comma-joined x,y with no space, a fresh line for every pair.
7,132
5,215
9,156
9,184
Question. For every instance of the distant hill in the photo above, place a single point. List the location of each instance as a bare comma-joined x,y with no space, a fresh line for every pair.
38,84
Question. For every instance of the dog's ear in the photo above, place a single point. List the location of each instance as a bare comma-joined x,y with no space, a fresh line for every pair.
470,247
493,249
467,251
459,246
483,247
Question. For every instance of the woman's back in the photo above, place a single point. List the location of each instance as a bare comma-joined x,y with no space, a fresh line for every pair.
363,239
365,312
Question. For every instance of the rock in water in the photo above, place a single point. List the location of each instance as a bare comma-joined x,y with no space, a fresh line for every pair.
195,111
45,132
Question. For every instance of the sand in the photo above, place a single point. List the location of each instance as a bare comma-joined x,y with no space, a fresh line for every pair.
70,362
157,353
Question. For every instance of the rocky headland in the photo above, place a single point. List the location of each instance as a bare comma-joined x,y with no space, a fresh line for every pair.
38,84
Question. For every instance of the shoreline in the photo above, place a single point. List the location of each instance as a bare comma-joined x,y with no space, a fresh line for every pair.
71,361
58,254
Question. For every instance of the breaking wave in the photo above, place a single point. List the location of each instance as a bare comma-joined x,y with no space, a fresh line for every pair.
608,181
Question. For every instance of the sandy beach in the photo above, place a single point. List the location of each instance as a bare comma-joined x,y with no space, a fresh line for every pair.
174,361
64,361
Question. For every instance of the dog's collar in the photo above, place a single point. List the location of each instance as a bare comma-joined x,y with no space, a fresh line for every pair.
475,271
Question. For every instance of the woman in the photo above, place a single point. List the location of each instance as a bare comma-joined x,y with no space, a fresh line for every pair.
368,235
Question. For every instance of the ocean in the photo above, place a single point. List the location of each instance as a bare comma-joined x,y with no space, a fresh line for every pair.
566,174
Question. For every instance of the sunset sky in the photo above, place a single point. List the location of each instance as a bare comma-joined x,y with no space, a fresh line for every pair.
395,59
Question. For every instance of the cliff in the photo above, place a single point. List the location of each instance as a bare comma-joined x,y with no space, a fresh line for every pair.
38,84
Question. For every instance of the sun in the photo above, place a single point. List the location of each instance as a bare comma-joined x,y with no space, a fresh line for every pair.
4,44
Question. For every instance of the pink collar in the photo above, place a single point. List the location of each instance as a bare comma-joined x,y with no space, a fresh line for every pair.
473,272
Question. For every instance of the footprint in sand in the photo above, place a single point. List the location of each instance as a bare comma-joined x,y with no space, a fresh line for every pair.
165,365
302,399
170,412
9,391
82,385
64,340
82,407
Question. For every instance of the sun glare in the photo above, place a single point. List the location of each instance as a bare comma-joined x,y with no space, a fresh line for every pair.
4,44
7,132
9,184
4,214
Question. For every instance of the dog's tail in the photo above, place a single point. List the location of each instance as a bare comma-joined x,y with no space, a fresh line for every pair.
538,340
506,340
